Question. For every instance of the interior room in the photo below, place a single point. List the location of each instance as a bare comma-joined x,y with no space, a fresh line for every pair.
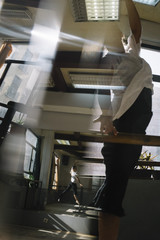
59,65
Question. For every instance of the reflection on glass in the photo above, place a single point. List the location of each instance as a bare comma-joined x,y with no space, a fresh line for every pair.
152,57
27,157
18,84
32,160
24,52
31,138
30,154
2,112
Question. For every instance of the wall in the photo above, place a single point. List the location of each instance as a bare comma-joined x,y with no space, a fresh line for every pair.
142,211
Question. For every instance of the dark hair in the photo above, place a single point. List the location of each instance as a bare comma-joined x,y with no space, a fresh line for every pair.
125,40
74,167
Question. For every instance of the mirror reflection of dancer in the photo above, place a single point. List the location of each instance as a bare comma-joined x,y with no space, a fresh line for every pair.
72,185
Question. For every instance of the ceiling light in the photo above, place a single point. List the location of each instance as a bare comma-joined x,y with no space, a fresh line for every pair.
64,142
94,81
95,10
148,2
102,87
90,78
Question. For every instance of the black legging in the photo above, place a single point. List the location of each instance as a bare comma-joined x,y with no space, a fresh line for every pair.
72,186
120,159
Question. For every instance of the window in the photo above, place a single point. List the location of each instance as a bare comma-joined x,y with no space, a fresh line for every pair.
97,182
31,153
54,172
154,126
152,57
2,113
148,2
20,78
13,88
24,52
26,57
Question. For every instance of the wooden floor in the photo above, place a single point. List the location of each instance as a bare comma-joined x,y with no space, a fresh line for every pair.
48,224
71,209
27,233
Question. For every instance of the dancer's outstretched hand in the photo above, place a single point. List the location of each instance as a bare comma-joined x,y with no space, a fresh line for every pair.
106,125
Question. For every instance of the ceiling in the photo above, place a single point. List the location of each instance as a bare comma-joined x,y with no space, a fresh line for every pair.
75,36
80,49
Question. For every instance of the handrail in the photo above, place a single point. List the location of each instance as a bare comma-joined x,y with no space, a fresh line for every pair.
149,163
10,61
126,138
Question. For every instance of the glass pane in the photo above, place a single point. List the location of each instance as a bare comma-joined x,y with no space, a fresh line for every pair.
19,118
154,125
96,182
24,52
2,112
13,88
33,160
27,157
149,2
18,83
152,57
31,138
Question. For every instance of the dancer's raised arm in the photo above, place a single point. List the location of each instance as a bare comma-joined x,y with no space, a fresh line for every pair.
134,20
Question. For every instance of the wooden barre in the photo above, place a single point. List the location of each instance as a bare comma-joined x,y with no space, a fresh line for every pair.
149,163
139,139
125,138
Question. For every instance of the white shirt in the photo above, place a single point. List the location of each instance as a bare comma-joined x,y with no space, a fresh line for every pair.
73,176
134,74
